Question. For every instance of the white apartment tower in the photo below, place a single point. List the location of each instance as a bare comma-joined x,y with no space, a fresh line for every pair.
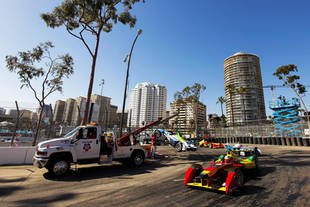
147,104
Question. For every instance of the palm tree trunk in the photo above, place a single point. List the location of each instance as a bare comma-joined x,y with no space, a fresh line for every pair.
222,109
196,119
232,110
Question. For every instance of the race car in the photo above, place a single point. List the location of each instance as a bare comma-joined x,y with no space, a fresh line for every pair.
238,147
246,157
176,140
212,145
224,176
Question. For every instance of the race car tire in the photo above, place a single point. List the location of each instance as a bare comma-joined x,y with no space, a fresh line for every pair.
197,168
239,177
210,146
178,147
256,164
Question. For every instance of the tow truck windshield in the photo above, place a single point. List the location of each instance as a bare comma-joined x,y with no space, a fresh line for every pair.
73,131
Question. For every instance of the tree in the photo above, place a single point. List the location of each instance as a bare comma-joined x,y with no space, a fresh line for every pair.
287,74
28,66
191,94
221,100
85,20
240,91
231,91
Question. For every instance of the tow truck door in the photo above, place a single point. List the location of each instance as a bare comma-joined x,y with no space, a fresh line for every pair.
88,146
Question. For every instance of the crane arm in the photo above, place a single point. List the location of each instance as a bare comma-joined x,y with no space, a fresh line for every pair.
125,139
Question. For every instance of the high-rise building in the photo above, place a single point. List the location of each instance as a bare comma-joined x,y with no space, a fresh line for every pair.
2,111
185,121
126,118
101,111
26,114
78,110
113,117
104,109
59,110
246,106
70,103
147,103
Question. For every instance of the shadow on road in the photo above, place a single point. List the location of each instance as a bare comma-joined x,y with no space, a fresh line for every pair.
107,171
13,180
248,190
290,158
8,190
45,201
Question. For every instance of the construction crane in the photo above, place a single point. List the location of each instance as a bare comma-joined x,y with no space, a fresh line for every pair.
273,87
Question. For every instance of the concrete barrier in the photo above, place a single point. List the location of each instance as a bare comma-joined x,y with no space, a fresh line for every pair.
279,141
16,155
244,139
288,141
306,141
247,140
269,140
264,139
250,140
294,141
299,141
255,140
283,141
259,140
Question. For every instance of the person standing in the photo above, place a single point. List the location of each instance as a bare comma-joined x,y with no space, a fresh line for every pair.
153,141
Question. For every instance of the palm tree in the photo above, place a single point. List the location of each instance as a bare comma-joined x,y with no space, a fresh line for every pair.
231,91
241,90
191,95
221,100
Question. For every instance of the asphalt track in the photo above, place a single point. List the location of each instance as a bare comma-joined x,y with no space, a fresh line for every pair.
283,180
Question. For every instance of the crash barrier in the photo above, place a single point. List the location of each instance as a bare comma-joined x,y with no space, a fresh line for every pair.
285,141
16,155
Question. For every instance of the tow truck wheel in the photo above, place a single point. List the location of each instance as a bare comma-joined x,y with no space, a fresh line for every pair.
59,167
178,147
137,158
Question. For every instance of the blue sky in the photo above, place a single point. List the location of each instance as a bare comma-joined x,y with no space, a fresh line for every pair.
182,42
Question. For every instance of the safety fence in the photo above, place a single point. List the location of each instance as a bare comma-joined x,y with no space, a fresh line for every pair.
285,141
259,130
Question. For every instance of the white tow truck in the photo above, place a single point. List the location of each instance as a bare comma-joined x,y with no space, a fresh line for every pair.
85,145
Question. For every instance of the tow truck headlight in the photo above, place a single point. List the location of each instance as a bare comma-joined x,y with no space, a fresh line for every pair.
41,153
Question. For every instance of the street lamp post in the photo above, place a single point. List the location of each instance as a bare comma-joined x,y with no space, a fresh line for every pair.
126,82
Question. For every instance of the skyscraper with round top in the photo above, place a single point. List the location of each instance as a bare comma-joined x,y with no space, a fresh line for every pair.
243,89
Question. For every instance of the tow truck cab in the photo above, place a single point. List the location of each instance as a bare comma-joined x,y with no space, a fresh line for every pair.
85,145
